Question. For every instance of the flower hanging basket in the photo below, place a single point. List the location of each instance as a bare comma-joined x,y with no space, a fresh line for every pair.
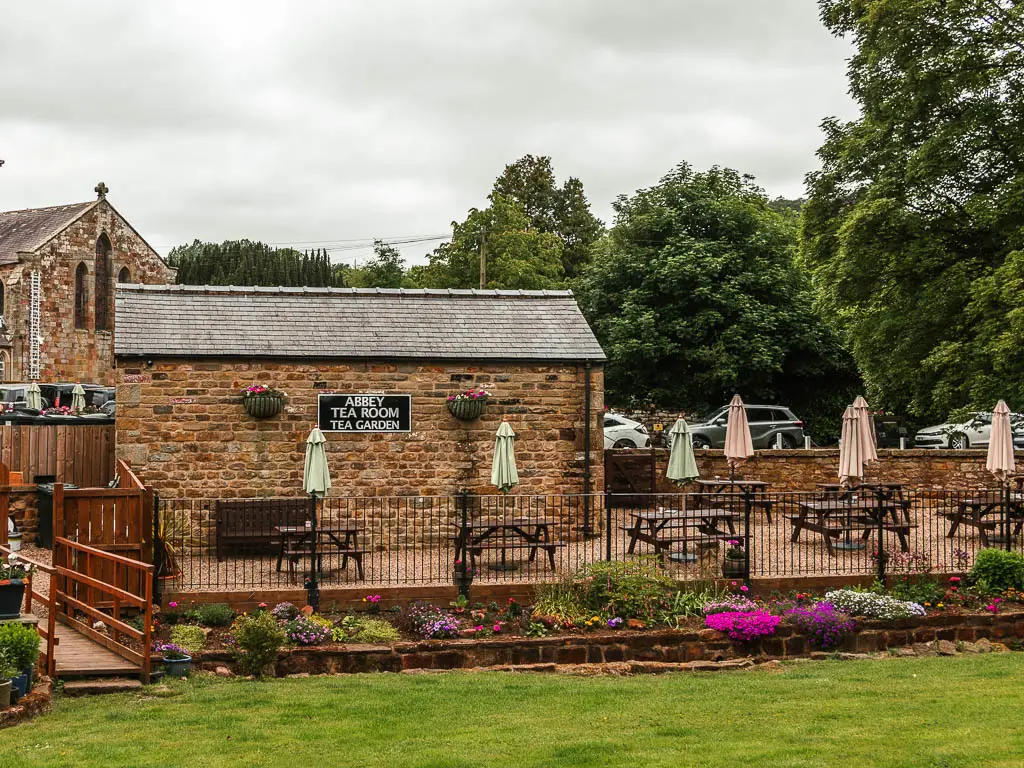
263,406
467,410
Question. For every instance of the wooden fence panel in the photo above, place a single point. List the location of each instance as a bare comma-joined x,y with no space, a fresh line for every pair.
80,454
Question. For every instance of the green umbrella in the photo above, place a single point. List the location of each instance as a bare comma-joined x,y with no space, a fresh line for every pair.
503,467
682,466
78,398
316,478
33,399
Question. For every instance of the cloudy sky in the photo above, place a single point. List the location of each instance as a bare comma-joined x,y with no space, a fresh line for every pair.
316,123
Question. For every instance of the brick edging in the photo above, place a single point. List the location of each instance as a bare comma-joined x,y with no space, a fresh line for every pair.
36,702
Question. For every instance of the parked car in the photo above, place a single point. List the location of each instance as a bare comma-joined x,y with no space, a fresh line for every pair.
95,394
770,425
620,432
973,432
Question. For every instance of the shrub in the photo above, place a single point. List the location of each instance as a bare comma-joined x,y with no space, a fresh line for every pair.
189,636
872,605
255,641
562,600
430,622
19,644
744,626
996,570
211,614
307,631
376,631
824,626
285,612
636,589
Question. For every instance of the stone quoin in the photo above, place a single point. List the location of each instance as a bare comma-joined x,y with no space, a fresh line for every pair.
353,357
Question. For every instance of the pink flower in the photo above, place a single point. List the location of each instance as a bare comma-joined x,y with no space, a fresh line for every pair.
497,627
744,588
478,628
172,604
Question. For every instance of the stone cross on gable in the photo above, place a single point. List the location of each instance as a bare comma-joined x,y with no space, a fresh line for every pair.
101,191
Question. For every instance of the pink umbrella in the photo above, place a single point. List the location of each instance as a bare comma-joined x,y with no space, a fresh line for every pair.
1000,460
738,445
866,429
851,450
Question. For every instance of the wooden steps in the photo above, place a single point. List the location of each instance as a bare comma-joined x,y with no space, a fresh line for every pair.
95,686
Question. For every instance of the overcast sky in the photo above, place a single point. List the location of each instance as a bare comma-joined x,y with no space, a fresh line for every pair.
296,123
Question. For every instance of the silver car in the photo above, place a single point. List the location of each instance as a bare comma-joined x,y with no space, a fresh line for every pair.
620,432
973,432
770,426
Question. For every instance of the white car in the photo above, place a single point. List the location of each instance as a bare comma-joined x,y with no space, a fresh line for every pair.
620,432
970,433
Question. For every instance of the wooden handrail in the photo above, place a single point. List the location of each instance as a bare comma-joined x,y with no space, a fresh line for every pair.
125,471
104,555
44,567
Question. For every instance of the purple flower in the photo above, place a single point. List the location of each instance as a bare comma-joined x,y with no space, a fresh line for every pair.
824,625
744,626
614,623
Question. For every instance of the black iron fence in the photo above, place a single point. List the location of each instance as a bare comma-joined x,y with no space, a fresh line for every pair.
245,544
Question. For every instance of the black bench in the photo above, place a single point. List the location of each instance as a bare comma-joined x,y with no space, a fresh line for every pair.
251,522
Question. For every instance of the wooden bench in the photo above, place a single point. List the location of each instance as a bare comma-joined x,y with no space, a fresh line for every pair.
476,550
251,522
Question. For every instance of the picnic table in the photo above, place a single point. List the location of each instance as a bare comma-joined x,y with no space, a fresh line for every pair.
973,511
339,537
725,489
664,528
837,517
504,536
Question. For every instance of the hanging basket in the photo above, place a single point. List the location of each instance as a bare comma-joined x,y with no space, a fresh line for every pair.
467,410
263,406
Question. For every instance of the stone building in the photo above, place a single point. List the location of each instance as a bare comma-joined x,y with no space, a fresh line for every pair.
185,353
58,270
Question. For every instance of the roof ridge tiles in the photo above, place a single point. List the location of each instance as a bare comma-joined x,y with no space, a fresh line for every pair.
265,290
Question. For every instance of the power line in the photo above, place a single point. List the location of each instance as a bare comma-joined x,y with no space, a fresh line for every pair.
347,243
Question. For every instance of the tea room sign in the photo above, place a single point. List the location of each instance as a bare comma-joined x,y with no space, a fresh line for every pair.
364,413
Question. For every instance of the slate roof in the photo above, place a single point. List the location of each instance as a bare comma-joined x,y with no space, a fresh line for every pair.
198,321
28,229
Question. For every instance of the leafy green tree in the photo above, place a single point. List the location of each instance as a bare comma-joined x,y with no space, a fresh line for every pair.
517,256
695,296
247,262
565,211
914,225
385,270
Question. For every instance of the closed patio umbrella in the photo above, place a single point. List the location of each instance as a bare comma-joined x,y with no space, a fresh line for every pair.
682,466
504,475
78,398
851,450
738,445
316,480
33,398
866,430
1000,461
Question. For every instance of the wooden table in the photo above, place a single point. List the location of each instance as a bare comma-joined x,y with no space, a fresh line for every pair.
972,512
664,528
503,536
342,537
732,490
852,515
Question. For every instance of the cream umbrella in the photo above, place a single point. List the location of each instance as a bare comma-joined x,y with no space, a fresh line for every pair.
866,430
682,465
738,445
851,467
316,481
33,398
1000,461
78,398
504,475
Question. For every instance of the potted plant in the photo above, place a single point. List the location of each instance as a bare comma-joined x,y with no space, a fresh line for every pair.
12,586
19,645
176,661
262,402
468,405
734,566
7,671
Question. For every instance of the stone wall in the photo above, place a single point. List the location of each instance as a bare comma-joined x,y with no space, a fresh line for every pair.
182,426
666,646
23,506
68,353
799,470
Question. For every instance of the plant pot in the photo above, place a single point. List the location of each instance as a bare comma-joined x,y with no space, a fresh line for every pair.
733,568
178,667
11,596
467,410
5,694
14,542
19,687
263,406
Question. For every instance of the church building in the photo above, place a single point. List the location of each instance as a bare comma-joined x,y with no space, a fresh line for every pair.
58,269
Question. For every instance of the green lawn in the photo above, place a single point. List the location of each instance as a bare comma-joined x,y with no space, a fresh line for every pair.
908,712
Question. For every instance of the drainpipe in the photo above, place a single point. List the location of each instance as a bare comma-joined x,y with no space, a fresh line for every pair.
587,530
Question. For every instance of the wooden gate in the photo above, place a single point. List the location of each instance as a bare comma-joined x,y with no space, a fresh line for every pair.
631,471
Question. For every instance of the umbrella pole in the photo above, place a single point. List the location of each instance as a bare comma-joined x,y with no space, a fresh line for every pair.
313,582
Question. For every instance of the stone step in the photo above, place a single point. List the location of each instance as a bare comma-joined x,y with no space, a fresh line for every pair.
98,685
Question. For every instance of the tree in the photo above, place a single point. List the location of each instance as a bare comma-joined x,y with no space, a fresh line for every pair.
695,296
530,181
516,255
385,270
912,227
247,262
